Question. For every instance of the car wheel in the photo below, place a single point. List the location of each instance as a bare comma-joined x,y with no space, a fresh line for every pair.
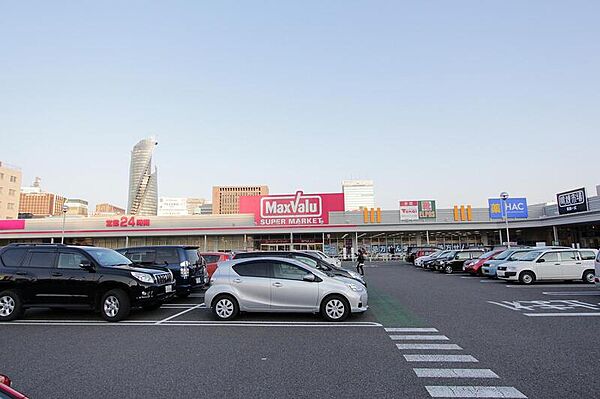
11,307
183,295
115,305
480,272
527,278
152,306
225,307
448,269
335,308
588,277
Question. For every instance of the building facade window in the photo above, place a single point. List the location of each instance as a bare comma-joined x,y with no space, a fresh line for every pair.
11,192
13,179
10,206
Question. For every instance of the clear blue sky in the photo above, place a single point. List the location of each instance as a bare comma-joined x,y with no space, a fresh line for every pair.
447,100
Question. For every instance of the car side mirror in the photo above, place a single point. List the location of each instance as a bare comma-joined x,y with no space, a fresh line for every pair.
310,278
541,260
86,265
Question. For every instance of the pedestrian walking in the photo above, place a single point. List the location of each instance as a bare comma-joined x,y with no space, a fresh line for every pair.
361,262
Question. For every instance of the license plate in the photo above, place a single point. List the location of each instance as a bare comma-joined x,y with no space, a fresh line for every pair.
500,274
169,288
198,280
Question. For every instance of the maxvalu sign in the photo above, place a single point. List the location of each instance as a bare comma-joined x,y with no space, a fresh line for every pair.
516,208
297,209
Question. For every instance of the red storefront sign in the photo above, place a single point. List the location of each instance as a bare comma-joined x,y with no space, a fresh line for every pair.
292,210
125,221
13,224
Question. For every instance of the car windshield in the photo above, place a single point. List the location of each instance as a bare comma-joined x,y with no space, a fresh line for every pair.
487,255
108,257
518,255
530,256
504,254
450,254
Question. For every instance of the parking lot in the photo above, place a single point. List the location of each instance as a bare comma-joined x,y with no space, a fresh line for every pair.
426,334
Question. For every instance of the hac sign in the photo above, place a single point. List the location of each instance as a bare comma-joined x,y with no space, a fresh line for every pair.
125,221
297,209
516,208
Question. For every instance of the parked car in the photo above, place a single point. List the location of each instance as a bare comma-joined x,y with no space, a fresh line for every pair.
430,263
475,266
414,252
185,262
597,269
212,260
277,284
62,276
551,264
334,261
7,391
309,259
422,259
508,255
455,260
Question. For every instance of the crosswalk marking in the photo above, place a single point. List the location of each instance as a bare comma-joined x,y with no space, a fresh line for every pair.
441,358
473,392
411,330
455,373
429,346
420,337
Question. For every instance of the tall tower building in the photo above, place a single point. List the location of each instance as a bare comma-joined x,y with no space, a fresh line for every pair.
358,194
143,187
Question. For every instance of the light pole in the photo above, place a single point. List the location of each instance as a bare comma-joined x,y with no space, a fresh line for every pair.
64,211
504,196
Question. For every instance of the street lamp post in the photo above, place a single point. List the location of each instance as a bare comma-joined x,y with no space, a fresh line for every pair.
504,196
64,211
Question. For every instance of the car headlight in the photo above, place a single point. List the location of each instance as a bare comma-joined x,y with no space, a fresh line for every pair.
143,277
355,287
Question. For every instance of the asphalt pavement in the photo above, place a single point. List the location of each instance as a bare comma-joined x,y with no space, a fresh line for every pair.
425,335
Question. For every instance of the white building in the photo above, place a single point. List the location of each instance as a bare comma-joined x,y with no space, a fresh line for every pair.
172,206
358,194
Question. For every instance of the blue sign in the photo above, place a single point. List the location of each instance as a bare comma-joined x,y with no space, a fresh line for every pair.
516,208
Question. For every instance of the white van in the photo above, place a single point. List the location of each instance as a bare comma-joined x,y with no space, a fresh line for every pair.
551,264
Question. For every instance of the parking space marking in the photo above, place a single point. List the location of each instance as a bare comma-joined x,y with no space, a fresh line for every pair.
455,373
572,293
180,313
411,330
582,285
562,314
443,347
473,392
441,358
420,337
199,323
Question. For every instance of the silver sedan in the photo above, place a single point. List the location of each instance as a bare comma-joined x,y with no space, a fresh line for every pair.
282,285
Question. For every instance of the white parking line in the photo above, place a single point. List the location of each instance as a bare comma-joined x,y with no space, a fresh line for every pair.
441,358
586,286
455,373
411,330
473,392
572,293
179,314
175,323
444,347
420,337
562,314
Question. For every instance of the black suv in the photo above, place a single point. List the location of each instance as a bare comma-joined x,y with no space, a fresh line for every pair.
454,260
61,276
185,262
307,259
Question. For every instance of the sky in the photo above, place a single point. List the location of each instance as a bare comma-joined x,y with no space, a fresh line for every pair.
454,101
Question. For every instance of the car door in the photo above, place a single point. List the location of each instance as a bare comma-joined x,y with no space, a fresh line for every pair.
252,285
460,259
39,266
289,290
571,265
548,267
77,284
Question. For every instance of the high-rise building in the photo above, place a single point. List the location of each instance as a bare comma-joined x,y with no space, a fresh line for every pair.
226,199
358,194
205,209
34,202
143,185
76,207
194,205
106,209
10,191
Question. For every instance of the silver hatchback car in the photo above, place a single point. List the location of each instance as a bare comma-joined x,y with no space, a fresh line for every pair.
282,285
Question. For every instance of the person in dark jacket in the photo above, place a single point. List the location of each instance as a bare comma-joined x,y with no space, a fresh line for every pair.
361,262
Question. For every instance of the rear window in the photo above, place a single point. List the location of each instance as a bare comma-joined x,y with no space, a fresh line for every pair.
587,255
192,255
252,269
166,255
141,256
211,258
13,257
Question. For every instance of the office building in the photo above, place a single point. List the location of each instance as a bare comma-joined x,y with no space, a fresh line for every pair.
10,191
106,209
358,194
143,185
205,209
77,207
194,205
36,203
172,206
226,199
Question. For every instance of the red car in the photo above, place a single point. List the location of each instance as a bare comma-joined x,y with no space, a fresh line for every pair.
6,391
213,258
475,266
